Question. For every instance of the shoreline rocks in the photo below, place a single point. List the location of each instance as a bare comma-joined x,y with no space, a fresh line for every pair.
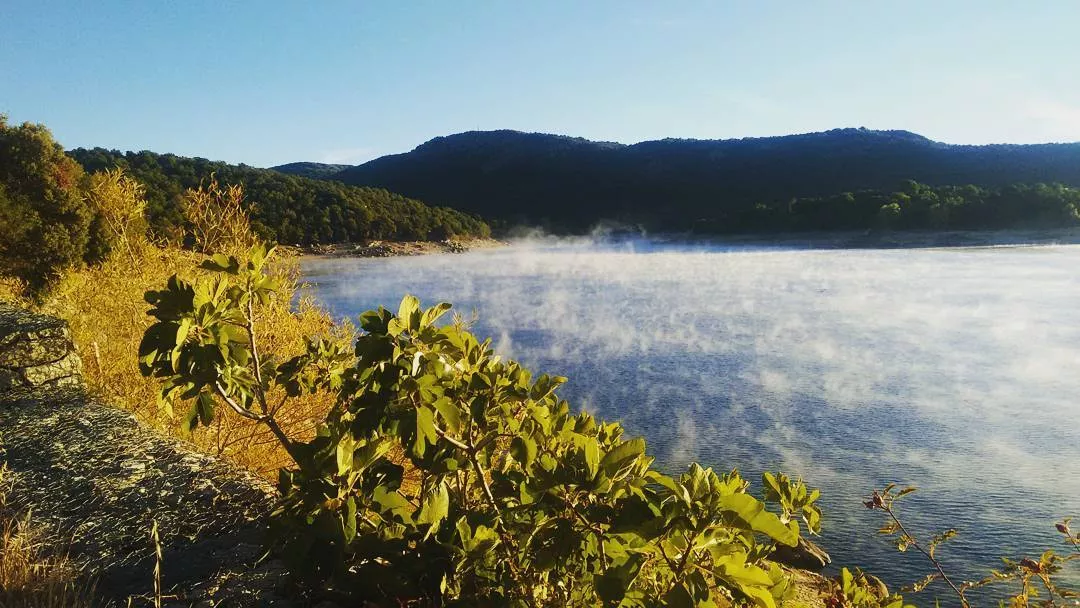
385,249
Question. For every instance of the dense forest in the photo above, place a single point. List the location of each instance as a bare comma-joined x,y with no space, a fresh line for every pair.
287,208
315,170
914,207
774,183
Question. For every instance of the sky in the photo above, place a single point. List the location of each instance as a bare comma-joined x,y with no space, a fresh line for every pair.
267,82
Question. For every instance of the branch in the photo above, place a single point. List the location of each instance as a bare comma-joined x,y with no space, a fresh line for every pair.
267,420
255,360
934,561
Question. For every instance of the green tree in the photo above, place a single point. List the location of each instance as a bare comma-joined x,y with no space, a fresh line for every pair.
46,221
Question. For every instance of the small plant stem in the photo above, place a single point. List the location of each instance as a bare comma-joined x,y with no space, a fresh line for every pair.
255,360
689,548
933,560
250,415
156,539
481,475
663,553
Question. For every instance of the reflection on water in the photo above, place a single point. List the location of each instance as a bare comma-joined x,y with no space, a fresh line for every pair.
952,369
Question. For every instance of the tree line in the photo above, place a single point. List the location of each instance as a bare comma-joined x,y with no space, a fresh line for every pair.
285,208
58,210
915,206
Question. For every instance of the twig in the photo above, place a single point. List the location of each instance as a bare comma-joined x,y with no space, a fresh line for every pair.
933,560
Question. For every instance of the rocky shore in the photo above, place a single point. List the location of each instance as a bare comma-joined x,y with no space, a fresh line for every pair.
385,249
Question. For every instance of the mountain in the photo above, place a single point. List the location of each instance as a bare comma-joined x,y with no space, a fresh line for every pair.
287,208
571,183
312,170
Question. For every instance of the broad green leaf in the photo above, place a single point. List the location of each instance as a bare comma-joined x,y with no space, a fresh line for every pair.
409,307
345,448
389,501
523,449
425,429
752,512
449,412
434,313
591,451
205,408
622,455
434,508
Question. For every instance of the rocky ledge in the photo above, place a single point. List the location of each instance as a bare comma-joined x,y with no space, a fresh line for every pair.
386,249
35,351
98,481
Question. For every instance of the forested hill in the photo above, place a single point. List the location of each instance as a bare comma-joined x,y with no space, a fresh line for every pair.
305,169
290,209
676,184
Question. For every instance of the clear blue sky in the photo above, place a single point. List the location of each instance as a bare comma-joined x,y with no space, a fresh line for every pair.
344,81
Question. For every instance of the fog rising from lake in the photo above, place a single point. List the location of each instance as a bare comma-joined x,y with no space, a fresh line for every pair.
956,370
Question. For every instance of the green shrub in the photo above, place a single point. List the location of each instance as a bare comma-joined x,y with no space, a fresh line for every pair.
505,496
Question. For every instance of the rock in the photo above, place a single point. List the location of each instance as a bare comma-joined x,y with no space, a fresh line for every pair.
93,474
806,556
35,350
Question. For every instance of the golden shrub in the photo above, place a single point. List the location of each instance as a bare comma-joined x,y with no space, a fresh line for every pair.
217,219
120,203
105,308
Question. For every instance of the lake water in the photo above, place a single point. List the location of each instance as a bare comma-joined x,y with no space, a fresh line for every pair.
956,370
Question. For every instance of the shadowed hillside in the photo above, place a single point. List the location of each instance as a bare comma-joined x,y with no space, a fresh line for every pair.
313,170
677,184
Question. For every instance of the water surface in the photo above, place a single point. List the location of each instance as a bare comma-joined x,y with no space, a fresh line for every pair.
956,370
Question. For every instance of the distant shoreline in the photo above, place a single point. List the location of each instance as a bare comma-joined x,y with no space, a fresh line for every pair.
387,249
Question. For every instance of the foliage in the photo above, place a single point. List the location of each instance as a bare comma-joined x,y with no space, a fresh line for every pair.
795,499
291,209
861,590
1026,573
313,170
46,223
516,500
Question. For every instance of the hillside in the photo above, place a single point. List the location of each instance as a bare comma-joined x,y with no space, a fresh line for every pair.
678,184
288,208
312,170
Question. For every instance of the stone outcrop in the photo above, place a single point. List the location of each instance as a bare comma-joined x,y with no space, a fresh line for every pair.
806,556
97,481
35,351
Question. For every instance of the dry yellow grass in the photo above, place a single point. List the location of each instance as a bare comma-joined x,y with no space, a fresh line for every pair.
13,290
32,573
105,307
106,310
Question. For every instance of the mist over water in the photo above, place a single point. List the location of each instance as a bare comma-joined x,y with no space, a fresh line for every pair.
956,370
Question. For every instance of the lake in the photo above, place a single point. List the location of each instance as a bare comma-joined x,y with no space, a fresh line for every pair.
953,369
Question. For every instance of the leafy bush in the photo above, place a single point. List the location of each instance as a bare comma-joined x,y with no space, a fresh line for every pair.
504,496
120,206
216,217
1027,575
